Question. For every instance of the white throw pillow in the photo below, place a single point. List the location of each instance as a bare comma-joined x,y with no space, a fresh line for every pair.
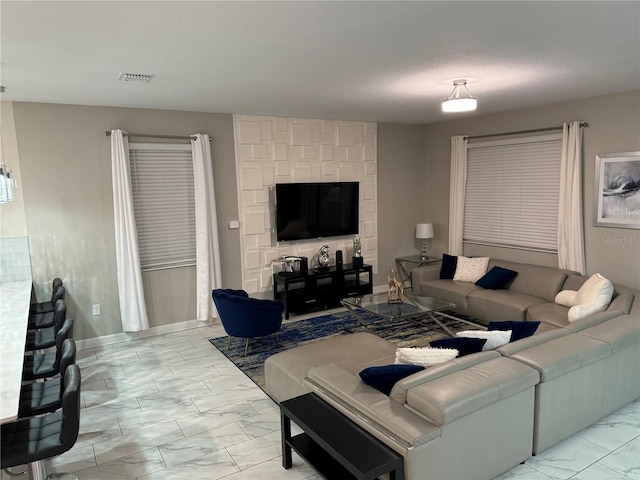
594,296
595,289
495,338
566,298
471,269
425,356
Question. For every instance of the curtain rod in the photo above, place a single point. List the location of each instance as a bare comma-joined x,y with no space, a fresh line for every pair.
147,135
535,130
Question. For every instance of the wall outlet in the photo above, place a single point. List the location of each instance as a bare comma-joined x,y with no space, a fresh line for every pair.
96,309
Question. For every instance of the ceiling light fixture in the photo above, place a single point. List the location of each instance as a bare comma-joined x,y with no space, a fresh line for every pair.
135,77
460,99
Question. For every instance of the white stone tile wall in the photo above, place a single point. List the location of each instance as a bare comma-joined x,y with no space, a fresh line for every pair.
272,150
15,264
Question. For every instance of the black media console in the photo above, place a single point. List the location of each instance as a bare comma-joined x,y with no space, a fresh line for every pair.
321,289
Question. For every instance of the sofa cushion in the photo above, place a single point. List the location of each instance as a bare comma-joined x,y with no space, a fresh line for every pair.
518,329
425,356
285,371
549,313
494,339
497,305
538,281
562,355
496,278
449,291
384,377
470,269
448,268
464,345
458,394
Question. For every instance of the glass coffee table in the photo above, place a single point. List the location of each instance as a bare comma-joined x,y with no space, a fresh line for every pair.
412,306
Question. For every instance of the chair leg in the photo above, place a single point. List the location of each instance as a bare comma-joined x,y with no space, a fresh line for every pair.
277,340
246,346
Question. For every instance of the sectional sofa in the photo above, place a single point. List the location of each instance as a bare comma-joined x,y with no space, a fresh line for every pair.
479,415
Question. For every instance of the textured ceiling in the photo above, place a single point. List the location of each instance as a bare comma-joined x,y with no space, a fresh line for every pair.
380,61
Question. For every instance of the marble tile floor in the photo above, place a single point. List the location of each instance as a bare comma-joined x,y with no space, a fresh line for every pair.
173,407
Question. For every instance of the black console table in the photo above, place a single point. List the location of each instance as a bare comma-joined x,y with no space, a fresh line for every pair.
332,444
321,289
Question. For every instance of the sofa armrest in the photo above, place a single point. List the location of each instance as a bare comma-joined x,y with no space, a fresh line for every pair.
419,275
373,407
399,391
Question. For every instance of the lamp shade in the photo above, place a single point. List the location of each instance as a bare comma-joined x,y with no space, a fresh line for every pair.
424,230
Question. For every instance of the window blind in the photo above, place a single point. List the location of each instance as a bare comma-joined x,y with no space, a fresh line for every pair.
163,201
512,193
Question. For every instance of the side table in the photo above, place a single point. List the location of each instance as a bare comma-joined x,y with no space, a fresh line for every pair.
332,444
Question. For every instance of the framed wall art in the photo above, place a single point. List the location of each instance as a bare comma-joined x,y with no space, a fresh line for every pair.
617,190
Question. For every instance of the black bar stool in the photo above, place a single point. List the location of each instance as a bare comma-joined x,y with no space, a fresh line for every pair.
46,337
34,439
43,397
44,307
44,365
45,319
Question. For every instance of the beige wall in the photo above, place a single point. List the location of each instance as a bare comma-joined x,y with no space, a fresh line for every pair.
614,123
402,176
68,204
68,214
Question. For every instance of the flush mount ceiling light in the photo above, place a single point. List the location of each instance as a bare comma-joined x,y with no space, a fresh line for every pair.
135,77
460,99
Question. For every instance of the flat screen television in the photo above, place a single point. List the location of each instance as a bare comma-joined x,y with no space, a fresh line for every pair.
316,210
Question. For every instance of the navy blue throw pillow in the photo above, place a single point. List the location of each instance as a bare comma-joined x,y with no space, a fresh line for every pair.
464,345
496,278
448,268
518,328
385,377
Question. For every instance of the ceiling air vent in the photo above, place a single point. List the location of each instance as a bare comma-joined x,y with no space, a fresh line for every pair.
135,77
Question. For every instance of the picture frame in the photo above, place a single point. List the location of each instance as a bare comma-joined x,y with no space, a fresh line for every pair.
617,190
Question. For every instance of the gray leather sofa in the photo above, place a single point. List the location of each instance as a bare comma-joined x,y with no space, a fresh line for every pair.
529,296
477,416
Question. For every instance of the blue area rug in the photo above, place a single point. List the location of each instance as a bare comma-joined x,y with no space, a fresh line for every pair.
404,333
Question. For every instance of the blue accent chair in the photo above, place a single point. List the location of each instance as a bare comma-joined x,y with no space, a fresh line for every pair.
246,317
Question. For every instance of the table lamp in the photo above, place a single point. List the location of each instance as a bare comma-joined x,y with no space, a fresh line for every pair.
424,231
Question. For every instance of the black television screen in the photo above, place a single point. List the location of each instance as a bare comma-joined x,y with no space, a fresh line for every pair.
316,210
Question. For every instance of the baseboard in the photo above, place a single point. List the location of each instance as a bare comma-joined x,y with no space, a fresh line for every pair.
127,337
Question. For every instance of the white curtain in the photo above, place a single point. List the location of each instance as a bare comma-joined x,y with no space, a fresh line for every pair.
133,311
208,276
570,226
456,193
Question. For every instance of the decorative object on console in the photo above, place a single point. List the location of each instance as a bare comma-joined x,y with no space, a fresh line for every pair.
323,257
460,99
424,232
395,287
339,259
357,253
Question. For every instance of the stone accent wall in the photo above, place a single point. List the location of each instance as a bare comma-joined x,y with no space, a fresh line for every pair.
272,150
